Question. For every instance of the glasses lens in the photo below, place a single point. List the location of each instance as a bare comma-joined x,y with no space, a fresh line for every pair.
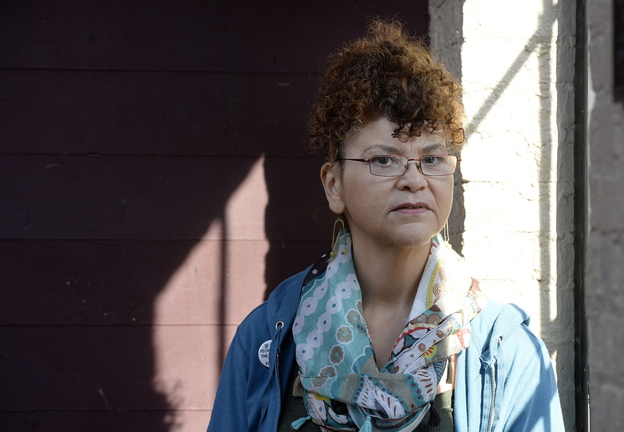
438,165
394,166
388,166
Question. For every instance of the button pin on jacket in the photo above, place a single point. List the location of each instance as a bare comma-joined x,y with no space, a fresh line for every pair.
263,353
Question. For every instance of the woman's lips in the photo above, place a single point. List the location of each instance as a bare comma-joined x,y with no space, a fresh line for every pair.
412,208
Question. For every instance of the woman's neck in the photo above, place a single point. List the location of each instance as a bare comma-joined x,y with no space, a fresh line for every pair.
389,276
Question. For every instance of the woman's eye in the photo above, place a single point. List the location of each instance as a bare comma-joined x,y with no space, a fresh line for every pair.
383,160
430,160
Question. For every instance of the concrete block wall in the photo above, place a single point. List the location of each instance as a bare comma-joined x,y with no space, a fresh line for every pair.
605,247
516,63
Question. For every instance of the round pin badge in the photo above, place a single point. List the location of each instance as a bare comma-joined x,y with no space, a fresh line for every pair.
263,353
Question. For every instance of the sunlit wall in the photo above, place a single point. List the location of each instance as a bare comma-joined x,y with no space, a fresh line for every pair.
516,63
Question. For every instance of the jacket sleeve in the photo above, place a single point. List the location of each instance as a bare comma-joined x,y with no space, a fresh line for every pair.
250,390
229,409
244,379
531,398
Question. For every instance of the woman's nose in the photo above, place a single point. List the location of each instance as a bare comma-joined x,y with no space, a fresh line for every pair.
413,178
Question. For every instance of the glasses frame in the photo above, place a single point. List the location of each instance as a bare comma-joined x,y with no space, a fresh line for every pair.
416,160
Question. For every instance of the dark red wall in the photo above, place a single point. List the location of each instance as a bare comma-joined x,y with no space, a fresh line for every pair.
124,128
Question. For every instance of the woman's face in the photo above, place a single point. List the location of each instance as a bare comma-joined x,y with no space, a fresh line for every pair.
405,211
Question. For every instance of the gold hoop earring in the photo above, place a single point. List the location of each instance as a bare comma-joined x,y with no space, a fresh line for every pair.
336,237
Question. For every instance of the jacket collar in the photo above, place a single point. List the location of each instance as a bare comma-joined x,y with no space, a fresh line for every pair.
283,303
495,324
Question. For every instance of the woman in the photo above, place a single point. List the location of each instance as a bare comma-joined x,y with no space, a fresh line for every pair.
388,331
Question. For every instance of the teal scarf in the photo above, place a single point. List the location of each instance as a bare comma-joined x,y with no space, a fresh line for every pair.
343,388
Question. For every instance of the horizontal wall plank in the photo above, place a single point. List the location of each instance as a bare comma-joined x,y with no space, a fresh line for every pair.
89,368
80,197
112,283
186,35
102,421
77,368
154,113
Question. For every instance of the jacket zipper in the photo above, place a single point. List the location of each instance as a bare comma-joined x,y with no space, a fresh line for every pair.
279,390
493,390
278,326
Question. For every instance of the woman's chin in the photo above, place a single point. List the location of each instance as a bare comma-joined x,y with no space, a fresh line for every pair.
411,239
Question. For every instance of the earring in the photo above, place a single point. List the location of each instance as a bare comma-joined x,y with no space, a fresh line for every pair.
336,237
445,233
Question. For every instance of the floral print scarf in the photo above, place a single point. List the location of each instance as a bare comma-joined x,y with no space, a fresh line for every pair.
343,388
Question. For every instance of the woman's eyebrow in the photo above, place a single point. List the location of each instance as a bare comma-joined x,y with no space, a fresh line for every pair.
392,150
382,149
433,147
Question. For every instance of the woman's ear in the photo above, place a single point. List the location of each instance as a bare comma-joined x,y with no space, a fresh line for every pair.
332,183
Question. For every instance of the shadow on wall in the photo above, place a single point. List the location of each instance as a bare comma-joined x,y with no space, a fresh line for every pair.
124,130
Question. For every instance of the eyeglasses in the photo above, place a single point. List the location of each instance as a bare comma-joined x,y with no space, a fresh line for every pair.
396,166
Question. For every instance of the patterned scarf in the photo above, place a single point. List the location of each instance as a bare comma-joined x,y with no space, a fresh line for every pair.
343,388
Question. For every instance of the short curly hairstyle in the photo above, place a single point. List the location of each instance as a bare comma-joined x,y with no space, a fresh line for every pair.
386,74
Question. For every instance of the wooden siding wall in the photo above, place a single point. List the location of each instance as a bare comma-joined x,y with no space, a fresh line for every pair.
125,128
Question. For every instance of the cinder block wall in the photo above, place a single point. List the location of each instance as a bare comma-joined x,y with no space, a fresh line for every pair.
516,63
605,250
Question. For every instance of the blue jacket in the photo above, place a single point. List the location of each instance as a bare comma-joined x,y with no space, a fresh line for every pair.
504,380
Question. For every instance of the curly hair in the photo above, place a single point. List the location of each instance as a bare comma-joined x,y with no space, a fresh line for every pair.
388,73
